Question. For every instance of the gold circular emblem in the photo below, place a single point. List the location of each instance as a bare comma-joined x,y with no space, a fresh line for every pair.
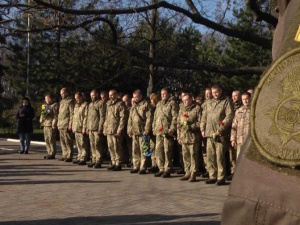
275,118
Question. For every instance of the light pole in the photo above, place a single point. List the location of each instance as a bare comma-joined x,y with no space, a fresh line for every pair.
28,50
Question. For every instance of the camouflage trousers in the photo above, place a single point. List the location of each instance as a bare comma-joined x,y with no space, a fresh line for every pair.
115,148
96,143
164,152
50,140
152,146
190,153
234,153
233,156
66,142
138,158
238,150
127,146
82,145
215,159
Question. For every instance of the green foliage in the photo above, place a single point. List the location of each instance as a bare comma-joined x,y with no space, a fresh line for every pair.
83,60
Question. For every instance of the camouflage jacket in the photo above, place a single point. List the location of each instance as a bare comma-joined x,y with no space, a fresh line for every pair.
51,118
115,119
79,119
140,118
165,117
240,125
217,116
66,108
188,124
96,116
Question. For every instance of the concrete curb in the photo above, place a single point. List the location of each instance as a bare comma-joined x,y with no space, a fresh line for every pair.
17,140
5,150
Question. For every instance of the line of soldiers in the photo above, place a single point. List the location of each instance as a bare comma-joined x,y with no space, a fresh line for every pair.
210,128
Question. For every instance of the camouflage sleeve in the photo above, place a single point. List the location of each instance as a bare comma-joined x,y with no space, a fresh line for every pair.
85,115
129,124
203,118
178,125
174,112
154,120
196,125
71,111
88,117
55,115
234,128
148,119
102,113
123,117
229,114
105,120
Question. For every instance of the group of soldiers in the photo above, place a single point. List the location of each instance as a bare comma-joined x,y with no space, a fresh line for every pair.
208,131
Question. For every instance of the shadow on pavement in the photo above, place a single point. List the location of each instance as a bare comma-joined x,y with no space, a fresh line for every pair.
122,220
39,173
7,182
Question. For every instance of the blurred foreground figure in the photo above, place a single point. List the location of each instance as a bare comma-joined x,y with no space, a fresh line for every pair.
265,187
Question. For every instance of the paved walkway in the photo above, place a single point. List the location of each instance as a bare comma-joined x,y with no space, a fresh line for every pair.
49,192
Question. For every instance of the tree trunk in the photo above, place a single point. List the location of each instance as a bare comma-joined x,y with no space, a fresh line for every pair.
152,48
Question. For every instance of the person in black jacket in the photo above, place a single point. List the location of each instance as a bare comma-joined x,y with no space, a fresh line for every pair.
25,115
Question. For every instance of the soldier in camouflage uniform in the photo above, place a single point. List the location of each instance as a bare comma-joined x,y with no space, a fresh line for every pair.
127,142
178,147
95,122
216,119
139,125
241,124
114,125
154,168
208,97
231,155
79,127
49,121
189,136
64,125
164,128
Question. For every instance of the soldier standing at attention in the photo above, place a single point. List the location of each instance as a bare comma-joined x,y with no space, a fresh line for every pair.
139,125
215,123
189,136
153,103
114,125
127,142
64,125
95,122
207,96
164,128
241,124
179,147
49,121
103,145
231,154
79,126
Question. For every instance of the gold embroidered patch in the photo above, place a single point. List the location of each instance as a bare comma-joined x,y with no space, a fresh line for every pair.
275,119
297,37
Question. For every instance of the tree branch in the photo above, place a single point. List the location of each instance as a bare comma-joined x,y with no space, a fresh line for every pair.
259,15
81,25
196,18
